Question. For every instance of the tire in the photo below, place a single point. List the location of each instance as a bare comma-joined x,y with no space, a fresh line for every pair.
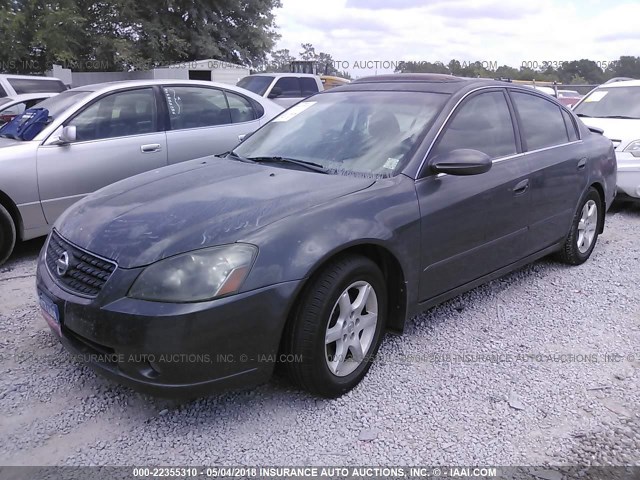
332,369
7,234
585,229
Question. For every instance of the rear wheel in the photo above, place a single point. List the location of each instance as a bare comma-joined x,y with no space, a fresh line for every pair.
7,234
337,327
584,230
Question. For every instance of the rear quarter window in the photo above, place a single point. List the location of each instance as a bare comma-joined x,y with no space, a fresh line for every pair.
309,86
571,126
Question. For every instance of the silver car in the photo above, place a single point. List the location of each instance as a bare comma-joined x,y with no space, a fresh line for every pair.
99,134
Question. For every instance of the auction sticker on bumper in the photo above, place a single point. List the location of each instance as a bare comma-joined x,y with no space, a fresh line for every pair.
50,313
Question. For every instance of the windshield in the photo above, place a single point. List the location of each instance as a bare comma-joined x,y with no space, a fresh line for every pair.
361,132
257,84
58,104
611,102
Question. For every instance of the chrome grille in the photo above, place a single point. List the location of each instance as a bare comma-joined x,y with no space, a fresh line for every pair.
85,273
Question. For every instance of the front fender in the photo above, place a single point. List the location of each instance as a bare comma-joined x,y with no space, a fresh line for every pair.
385,215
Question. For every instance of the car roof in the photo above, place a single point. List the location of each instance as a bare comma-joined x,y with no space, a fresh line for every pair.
31,96
622,83
282,74
30,77
108,86
427,82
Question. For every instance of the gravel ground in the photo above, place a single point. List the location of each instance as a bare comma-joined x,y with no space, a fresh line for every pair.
512,373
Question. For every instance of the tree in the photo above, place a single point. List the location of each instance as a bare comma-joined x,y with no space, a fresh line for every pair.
129,34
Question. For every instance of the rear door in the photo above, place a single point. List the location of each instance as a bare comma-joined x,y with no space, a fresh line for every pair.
474,225
118,135
206,121
559,165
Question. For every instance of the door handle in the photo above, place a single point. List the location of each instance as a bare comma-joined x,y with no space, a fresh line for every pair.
582,163
521,187
152,147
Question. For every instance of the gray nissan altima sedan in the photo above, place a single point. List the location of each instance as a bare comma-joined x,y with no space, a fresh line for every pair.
98,134
334,223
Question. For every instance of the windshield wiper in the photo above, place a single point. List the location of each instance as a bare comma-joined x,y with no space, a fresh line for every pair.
583,115
625,117
316,167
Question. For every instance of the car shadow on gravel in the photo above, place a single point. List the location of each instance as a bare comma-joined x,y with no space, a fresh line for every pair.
23,252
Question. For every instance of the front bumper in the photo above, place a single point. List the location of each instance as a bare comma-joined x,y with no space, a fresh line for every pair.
628,175
173,349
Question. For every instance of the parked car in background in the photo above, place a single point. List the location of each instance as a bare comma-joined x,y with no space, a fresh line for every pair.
331,81
568,97
285,89
341,218
98,134
12,85
615,108
10,107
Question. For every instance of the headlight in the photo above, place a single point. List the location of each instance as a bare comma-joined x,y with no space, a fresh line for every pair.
633,148
196,276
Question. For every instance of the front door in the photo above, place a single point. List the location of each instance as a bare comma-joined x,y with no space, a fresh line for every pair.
117,137
474,225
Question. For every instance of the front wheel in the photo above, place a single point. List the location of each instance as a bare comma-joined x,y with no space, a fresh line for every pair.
7,234
584,230
337,327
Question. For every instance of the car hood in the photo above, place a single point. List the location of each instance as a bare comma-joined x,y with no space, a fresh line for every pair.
9,142
193,205
617,130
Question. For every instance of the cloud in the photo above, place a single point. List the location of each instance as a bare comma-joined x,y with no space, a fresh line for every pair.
467,30
491,10
617,36
385,4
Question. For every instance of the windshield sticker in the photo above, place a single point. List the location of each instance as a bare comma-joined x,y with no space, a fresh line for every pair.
596,96
391,163
294,111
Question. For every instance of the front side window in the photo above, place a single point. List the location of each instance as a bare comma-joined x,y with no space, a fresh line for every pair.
482,123
288,86
117,115
349,132
196,107
611,102
541,121
257,84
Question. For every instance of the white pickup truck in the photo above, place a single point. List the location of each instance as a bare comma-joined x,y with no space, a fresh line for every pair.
284,89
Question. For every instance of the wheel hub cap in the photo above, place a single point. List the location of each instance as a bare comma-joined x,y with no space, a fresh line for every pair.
587,226
351,328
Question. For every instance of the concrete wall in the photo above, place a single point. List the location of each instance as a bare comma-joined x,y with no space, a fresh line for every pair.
225,73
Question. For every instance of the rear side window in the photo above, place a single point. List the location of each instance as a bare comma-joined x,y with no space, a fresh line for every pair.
542,122
3,92
36,85
571,126
195,107
482,123
309,86
290,87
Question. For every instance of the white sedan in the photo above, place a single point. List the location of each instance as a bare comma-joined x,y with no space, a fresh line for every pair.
13,106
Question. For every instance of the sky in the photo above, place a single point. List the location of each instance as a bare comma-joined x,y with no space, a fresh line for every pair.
365,36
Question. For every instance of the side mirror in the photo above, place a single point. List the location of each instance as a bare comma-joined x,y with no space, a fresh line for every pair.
462,162
275,92
67,136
